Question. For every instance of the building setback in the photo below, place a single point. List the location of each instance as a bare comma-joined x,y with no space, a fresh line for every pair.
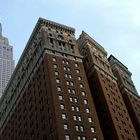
128,90
48,97
113,115
6,61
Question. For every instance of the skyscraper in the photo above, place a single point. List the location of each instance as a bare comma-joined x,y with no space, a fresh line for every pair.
128,91
48,97
112,112
6,61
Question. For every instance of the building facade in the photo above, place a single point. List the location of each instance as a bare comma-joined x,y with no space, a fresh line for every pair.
128,91
6,61
112,112
48,97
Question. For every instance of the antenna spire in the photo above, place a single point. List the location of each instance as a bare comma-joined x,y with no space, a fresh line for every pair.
0,30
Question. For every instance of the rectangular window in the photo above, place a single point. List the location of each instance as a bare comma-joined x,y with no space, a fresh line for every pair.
72,108
65,126
90,119
77,128
87,110
60,97
83,93
81,128
85,101
67,137
54,59
55,66
59,89
77,71
62,106
64,116
81,85
92,129
57,81
76,65
71,99
56,73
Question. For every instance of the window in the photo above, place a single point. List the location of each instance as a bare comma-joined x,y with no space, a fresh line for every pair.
59,89
92,129
60,97
67,62
73,91
63,61
66,75
75,100
54,59
78,138
77,109
79,118
67,137
81,128
76,65
90,119
83,93
81,85
64,116
71,99
85,101
87,110
70,76
77,128
68,69
79,78
72,108
71,83
56,73
68,83
57,81
64,68
69,90
74,118
55,66
77,71
65,126
62,106
83,138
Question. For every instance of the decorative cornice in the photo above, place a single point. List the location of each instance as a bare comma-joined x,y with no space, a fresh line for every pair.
86,37
115,61
55,25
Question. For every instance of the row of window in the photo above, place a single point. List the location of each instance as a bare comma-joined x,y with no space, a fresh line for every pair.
67,137
64,61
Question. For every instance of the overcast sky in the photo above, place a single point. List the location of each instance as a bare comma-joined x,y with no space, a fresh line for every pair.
115,24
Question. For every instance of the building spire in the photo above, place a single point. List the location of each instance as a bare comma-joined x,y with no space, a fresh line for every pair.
0,30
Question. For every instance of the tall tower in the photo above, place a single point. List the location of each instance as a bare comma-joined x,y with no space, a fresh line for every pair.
113,115
128,90
6,61
48,95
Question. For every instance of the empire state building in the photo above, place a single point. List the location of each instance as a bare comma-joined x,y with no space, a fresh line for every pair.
6,61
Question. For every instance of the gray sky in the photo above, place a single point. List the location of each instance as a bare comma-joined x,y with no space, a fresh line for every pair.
115,24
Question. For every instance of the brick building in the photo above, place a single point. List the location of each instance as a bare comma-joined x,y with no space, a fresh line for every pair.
48,97
128,90
112,112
